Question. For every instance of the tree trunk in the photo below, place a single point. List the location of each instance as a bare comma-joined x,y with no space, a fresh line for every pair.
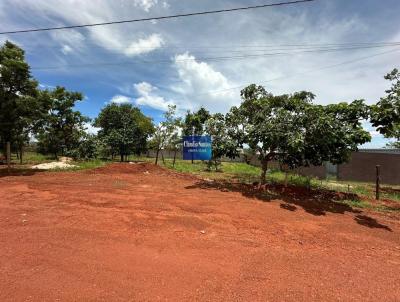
162,157
122,157
173,163
158,151
8,156
21,152
264,167
4,149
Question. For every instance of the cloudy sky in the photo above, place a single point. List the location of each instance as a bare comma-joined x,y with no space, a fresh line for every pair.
206,60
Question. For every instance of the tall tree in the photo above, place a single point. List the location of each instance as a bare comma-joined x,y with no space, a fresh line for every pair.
385,115
270,124
290,129
166,133
194,122
124,129
223,144
19,107
63,127
330,134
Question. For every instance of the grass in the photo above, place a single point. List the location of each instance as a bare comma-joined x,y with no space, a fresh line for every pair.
357,204
245,173
89,164
33,158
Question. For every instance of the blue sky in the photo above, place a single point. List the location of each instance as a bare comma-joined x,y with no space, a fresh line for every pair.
153,64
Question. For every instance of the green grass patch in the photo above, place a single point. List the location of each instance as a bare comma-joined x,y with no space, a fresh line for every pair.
89,164
32,158
245,173
357,204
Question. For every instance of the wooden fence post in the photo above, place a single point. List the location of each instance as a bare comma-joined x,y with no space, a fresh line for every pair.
8,156
378,181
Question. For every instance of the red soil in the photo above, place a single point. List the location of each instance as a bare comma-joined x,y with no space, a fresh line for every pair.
141,233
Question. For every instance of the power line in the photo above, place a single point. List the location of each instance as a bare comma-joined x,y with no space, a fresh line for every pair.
232,48
156,18
205,59
305,72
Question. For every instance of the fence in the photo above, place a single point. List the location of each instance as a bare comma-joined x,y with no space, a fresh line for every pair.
361,166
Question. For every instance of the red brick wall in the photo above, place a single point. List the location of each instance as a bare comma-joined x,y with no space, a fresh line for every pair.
315,171
361,167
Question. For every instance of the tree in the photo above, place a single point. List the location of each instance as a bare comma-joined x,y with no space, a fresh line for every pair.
292,130
194,122
88,147
334,131
63,127
166,133
19,107
124,129
385,115
222,143
269,124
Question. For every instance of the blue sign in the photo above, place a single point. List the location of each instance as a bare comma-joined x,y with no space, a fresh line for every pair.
197,147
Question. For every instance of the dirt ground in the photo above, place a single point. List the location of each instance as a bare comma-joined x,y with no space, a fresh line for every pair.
140,233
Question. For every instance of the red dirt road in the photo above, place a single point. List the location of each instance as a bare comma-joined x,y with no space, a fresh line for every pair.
141,233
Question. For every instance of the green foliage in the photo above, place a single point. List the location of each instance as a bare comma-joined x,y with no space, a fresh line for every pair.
291,129
194,122
19,107
63,127
88,147
124,129
222,143
166,133
333,132
385,115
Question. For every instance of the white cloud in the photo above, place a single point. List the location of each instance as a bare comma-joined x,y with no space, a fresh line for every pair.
165,4
203,84
146,5
375,133
120,99
116,39
146,45
90,129
65,49
68,37
46,86
149,97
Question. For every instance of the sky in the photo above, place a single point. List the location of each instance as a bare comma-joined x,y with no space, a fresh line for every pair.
206,60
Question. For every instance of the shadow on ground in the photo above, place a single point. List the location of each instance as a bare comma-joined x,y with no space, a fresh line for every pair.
315,202
18,172
371,222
